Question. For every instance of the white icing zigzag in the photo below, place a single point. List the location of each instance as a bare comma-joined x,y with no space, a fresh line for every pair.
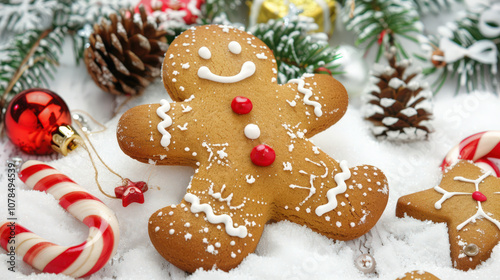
225,219
307,94
167,121
341,188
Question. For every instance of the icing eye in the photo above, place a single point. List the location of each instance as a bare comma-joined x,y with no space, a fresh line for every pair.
234,47
205,53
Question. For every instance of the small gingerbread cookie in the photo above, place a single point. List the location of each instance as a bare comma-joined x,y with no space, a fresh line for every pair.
467,200
247,138
418,275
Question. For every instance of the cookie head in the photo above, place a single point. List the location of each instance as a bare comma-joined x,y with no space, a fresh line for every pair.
205,57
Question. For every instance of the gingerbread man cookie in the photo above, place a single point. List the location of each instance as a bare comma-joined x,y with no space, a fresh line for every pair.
247,138
467,200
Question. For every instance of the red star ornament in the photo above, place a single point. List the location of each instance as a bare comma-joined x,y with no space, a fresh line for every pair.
131,192
467,200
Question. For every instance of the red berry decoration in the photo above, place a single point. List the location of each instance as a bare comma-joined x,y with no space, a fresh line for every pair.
190,8
478,196
131,192
241,105
32,117
262,155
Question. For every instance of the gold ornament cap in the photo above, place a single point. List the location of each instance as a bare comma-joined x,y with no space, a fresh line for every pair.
322,11
65,139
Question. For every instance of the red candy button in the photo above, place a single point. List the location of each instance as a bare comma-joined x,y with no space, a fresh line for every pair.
479,196
241,105
262,155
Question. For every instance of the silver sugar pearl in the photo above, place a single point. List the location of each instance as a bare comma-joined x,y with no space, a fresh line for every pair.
365,263
471,250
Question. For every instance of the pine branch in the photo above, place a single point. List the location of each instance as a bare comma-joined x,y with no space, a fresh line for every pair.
78,18
432,6
470,73
19,16
28,59
382,21
214,8
296,51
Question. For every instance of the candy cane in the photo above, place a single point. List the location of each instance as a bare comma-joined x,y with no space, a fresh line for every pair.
477,148
76,261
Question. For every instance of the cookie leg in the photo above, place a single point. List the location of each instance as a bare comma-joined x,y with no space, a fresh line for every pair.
191,240
346,215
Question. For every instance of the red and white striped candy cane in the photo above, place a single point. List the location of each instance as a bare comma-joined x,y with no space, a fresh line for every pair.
76,261
479,148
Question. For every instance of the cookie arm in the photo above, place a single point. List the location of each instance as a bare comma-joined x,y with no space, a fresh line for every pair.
140,138
318,100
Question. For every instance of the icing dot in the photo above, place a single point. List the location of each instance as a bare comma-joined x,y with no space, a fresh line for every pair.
241,105
252,131
210,248
234,47
204,53
172,231
262,155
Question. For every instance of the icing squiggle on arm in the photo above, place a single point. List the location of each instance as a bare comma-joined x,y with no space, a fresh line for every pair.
307,94
341,188
445,196
212,218
167,121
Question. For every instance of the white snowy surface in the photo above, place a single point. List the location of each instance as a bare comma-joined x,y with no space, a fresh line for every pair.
286,250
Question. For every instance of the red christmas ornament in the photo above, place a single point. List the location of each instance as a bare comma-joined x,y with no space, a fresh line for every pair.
38,121
241,105
131,192
262,155
478,196
190,8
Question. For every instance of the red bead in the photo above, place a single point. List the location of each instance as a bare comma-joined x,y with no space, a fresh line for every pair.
241,105
262,155
32,117
479,196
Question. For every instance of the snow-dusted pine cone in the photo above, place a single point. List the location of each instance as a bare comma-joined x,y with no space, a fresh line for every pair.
125,54
398,105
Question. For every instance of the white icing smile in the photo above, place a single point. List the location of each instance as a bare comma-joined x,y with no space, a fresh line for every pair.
247,70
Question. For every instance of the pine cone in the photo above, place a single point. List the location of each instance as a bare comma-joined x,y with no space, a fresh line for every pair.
398,106
125,53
